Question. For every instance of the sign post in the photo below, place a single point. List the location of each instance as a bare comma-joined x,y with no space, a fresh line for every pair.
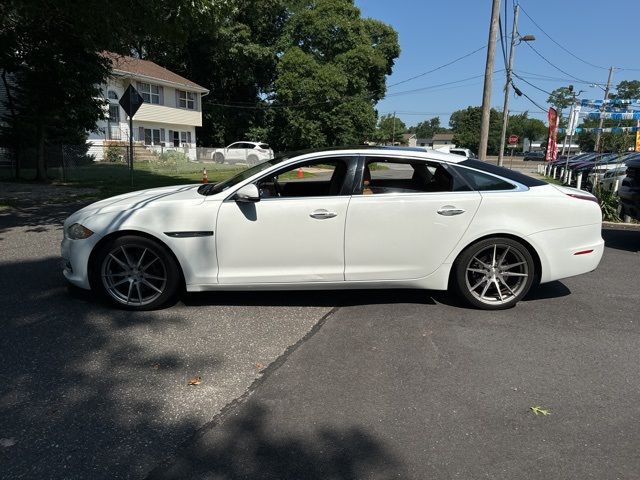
513,143
130,102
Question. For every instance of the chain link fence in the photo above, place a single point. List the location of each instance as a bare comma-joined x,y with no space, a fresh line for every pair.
108,165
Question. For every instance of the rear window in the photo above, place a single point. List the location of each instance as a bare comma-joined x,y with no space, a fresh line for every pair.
503,172
263,146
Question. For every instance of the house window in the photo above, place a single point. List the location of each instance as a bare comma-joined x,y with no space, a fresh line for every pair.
150,93
186,100
152,136
111,95
114,113
113,122
185,137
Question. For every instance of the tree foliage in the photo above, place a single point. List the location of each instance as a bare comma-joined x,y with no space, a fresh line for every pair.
465,125
427,128
389,129
330,73
561,98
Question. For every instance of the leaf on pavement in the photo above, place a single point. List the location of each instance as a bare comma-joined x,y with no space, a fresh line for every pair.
540,411
259,366
195,381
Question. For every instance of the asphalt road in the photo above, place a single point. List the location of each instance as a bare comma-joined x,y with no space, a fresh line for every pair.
359,384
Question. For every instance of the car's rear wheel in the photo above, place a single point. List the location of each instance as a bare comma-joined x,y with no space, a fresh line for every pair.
494,274
218,157
136,273
252,160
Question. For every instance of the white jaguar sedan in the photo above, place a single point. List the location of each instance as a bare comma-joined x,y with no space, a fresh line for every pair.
337,219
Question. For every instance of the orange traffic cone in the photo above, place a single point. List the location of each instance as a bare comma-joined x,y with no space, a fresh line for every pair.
205,177
300,173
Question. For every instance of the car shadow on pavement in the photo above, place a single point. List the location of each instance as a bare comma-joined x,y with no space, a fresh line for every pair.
315,298
250,445
83,394
622,238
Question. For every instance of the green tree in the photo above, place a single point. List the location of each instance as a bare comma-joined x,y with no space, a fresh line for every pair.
525,127
465,125
427,128
389,129
627,89
52,68
561,98
330,73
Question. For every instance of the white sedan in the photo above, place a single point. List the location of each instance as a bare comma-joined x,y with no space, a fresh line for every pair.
358,218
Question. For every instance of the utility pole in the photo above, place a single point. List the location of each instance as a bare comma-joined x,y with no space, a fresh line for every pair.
601,122
488,78
507,86
393,135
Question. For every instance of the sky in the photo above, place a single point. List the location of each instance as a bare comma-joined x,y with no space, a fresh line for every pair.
433,33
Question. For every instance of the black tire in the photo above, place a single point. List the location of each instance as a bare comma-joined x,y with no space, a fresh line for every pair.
135,273
218,157
478,267
252,160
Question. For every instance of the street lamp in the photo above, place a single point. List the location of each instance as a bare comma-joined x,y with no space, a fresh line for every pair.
516,39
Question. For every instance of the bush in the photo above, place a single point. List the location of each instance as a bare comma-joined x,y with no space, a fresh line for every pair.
609,202
173,157
115,153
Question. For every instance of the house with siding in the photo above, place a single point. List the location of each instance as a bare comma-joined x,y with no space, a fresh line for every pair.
168,118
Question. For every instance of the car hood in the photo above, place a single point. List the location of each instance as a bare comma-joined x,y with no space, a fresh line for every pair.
152,198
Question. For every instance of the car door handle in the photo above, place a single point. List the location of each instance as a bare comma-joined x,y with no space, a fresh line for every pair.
449,211
322,213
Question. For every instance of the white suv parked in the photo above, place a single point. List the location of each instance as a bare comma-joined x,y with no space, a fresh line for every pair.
250,153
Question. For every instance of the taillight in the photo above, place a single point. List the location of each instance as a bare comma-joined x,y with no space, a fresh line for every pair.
583,197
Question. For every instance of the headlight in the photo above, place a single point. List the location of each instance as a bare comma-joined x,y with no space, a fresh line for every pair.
78,232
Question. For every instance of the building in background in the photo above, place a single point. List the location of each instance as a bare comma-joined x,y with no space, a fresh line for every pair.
167,119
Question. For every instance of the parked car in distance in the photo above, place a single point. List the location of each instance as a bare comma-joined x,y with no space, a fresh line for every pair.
250,153
463,152
629,191
608,180
374,218
534,157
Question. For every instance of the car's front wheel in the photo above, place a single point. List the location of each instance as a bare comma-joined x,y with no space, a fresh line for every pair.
494,274
136,273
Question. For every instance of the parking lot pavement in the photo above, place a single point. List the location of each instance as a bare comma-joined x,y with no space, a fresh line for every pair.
91,392
407,385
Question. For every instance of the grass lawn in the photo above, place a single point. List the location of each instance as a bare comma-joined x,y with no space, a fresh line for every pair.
114,179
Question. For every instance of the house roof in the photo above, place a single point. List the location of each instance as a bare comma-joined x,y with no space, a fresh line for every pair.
443,136
123,64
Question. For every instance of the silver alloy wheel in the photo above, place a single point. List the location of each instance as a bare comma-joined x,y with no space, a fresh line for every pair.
134,275
497,274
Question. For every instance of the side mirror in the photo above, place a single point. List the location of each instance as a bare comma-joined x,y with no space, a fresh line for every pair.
248,193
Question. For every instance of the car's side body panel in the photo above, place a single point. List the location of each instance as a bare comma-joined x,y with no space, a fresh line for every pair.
280,240
401,237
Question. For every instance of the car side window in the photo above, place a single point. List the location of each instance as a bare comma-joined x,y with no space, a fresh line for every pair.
315,178
395,175
484,182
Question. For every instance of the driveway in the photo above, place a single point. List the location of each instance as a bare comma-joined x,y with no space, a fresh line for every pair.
91,392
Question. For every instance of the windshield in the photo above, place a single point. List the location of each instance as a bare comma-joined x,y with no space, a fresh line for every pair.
212,189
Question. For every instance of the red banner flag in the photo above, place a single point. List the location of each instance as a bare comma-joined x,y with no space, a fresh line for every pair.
552,143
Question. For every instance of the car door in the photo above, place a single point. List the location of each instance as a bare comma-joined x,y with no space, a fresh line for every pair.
295,232
233,153
404,219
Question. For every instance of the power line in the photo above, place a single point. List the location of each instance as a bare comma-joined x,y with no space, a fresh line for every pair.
531,84
553,65
528,97
559,45
429,87
437,68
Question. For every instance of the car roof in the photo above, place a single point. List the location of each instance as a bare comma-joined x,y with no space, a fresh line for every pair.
407,152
